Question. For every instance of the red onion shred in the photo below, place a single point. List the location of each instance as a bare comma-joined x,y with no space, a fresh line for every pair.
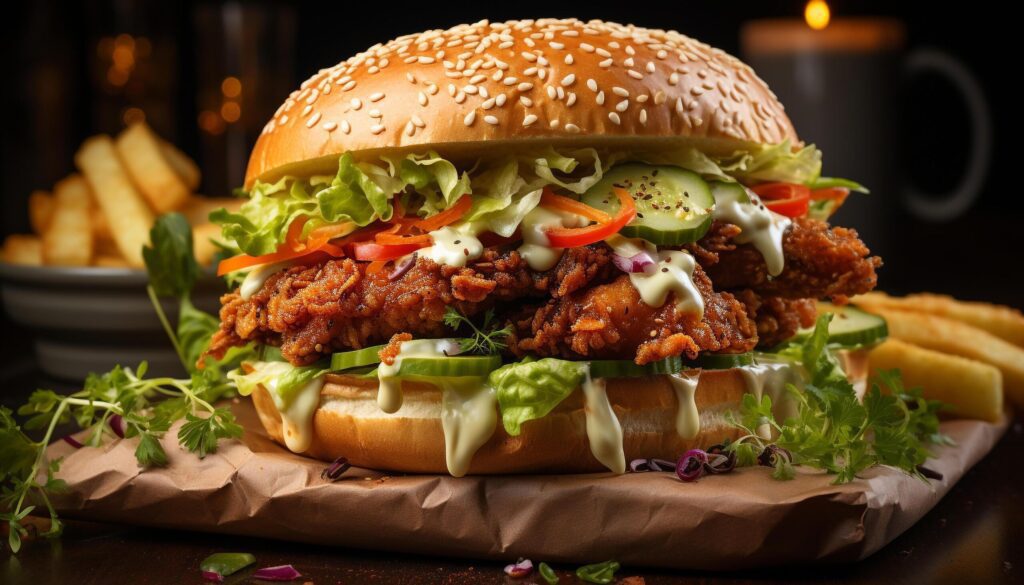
519,569
70,440
335,470
691,465
213,576
278,573
403,266
117,425
632,264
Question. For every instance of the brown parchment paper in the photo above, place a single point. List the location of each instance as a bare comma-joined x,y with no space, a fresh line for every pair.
740,520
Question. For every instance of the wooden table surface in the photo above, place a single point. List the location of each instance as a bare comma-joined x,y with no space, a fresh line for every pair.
974,535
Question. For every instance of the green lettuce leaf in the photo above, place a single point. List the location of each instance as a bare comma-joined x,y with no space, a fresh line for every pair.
531,389
433,177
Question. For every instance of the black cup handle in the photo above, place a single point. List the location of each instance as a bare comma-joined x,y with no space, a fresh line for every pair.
953,203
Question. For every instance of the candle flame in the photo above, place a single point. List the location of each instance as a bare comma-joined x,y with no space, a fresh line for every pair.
817,14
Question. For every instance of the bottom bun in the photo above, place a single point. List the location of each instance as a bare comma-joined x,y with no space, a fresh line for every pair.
348,423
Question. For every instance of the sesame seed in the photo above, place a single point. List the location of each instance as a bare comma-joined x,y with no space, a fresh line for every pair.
569,80
425,60
283,120
600,98
553,123
409,129
356,103
306,110
478,78
643,116
679,106
525,101
530,71
498,74
460,97
592,85
551,92
372,70
614,118
376,128
662,54
650,67
569,59
349,85
572,100
470,117
375,113
605,64
488,104
346,127
422,97
629,62
572,128
525,86
630,50
556,45
500,100
659,98
587,47
376,97
529,56
418,122
509,80
603,52
471,89
329,126
620,91
410,77
673,79
312,121
432,89
529,119
492,120
634,74
622,106
542,74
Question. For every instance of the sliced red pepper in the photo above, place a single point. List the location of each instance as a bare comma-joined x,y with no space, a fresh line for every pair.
789,199
446,217
576,237
551,200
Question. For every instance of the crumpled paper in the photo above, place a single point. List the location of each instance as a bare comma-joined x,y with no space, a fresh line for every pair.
739,520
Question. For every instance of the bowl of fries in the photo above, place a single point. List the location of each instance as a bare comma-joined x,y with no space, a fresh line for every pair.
79,283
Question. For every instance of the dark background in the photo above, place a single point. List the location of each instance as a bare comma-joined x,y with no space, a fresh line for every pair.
54,97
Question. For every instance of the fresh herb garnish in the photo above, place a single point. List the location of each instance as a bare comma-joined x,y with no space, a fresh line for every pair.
147,407
601,573
548,574
486,339
833,430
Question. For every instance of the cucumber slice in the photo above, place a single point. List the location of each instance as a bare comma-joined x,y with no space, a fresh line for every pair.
347,360
448,367
630,369
851,327
723,191
672,365
724,361
673,205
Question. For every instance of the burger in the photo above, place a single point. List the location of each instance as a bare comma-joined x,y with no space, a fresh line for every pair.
530,246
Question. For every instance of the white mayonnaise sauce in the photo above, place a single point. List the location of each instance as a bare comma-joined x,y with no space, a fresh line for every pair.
771,378
389,393
536,249
254,281
762,228
454,246
469,415
297,416
603,429
687,417
673,273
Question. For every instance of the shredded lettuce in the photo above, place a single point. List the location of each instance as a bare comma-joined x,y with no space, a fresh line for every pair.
530,389
504,188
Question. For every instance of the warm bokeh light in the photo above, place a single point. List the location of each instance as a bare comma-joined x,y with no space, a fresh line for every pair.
231,87
210,122
817,14
133,115
231,112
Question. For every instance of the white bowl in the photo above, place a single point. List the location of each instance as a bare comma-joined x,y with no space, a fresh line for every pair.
89,319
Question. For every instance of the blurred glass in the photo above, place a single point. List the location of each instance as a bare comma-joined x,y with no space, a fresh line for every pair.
245,68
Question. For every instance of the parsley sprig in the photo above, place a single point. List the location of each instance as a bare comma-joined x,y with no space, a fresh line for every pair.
147,407
833,430
486,339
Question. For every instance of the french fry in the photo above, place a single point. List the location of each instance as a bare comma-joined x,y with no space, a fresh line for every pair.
110,261
24,250
127,213
1003,322
100,227
197,210
186,168
202,236
147,165
971,388
958,338
68,241
40,210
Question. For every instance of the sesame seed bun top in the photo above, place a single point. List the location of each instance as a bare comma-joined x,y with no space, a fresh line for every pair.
559,81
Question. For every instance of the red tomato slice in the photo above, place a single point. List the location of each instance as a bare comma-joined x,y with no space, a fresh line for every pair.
789,199
372,251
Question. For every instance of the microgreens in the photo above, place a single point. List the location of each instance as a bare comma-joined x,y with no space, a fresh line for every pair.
486,339
833,430
147,407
